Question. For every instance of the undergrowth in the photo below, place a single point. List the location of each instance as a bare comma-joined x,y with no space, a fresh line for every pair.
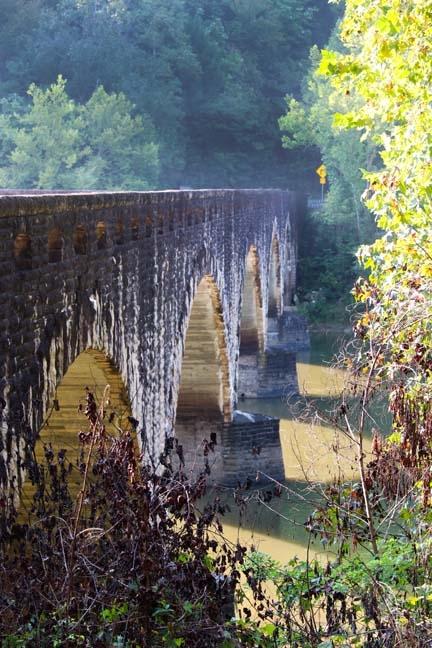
133,561
138,558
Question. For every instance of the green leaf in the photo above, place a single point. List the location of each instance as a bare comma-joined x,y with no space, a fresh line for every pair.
269,629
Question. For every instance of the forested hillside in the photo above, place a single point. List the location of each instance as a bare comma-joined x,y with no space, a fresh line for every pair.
195,89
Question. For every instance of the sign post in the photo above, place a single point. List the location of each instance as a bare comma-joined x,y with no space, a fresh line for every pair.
322,176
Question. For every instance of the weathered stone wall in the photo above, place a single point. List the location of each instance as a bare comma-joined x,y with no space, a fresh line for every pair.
252,450
272,374
118,272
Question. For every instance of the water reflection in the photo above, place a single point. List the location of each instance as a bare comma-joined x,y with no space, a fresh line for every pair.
314,454
317,372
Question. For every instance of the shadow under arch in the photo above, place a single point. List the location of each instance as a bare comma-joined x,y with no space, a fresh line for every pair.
91,371
204,381
203,403
274,280
251,320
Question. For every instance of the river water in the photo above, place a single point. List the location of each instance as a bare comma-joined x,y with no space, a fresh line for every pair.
308,446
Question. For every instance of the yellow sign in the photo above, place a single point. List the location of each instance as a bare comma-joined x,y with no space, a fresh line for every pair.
322,172
322,180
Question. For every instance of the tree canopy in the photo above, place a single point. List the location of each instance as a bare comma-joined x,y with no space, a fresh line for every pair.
56,143
333,233
386,75
207,78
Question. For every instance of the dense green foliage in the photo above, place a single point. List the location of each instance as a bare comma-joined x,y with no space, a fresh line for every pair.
57,144
389,75
332,234
327,269
307,129
382,79
208,79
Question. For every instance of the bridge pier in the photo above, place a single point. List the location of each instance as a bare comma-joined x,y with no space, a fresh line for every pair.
272,373
252,449
201,450
247,449
269,375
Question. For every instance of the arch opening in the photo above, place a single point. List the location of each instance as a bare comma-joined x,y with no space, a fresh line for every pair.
148,226
251,323
101,235
91,371
80,239
204,385
203,404
55,245
22,251
274,287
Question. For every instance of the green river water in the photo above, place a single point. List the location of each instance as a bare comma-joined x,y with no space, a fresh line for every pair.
310,460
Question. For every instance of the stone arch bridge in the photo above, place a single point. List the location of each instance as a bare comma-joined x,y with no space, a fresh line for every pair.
189,294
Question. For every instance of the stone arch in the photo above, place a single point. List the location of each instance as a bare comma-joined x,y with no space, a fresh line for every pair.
251,321
79,322
55,245
22,251
91,370
80,239
204,396
204,382
289,273
274,283
101,235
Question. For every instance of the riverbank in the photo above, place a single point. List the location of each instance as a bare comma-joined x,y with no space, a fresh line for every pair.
328,317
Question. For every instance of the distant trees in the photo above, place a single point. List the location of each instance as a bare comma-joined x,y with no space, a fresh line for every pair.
334,233
210,77
56,143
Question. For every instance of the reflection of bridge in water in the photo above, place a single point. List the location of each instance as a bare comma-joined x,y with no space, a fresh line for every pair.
188,292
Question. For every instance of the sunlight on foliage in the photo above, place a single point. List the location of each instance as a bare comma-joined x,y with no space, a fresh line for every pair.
56,143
